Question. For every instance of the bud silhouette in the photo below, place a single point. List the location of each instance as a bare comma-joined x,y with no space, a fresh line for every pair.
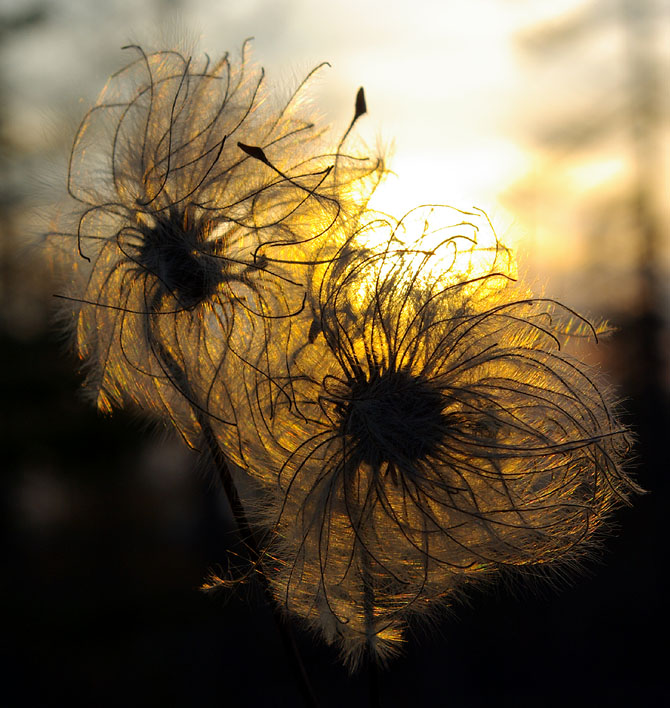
436,430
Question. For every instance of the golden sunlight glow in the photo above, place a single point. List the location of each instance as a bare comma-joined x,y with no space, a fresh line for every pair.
466,177
449,245
463,94
591,175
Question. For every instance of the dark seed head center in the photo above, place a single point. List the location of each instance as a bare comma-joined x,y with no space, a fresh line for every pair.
393,418
177,254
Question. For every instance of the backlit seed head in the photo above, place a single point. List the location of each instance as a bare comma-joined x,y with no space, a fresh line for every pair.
199,205
435,430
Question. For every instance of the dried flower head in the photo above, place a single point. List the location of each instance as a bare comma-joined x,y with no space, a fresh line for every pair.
198,203
434,430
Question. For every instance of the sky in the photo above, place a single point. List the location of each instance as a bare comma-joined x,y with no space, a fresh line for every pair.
470,102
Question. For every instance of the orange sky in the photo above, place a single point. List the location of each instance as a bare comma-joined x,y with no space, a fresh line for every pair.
450,85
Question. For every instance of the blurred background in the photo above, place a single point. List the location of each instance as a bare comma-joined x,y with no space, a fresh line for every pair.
551,115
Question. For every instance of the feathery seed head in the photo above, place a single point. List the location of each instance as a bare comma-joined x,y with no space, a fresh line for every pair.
389,418
433,431
198,202
177,253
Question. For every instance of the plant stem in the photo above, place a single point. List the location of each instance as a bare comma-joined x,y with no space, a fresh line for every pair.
285,632
180,381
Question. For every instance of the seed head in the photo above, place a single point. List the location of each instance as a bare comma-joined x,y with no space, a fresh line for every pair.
436,430
198,204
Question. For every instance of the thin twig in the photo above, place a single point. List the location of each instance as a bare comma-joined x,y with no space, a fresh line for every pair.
284,628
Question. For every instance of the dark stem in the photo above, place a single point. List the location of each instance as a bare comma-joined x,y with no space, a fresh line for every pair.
283,627
254,554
